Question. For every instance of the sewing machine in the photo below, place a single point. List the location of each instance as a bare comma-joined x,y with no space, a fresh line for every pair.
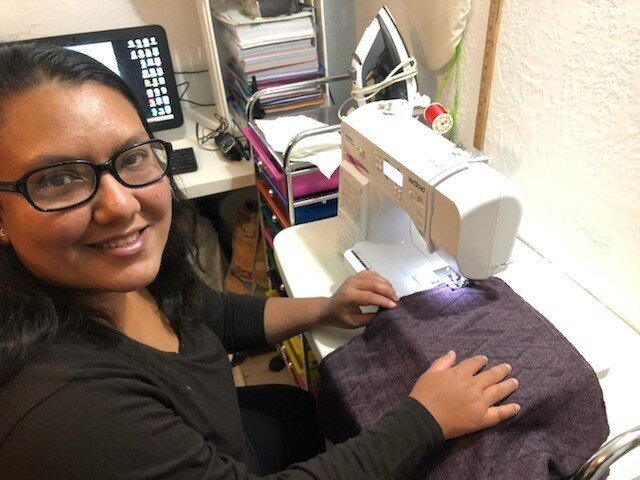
411,205
417,209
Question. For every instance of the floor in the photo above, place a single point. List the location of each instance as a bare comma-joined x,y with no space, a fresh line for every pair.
253,369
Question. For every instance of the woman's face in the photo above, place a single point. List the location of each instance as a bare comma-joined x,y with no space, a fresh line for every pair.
114,242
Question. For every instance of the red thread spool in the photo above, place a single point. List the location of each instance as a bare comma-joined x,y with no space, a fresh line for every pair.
437,118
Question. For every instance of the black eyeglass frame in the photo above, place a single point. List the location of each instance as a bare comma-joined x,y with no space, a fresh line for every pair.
20,185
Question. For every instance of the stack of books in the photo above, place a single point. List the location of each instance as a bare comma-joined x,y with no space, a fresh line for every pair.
268,52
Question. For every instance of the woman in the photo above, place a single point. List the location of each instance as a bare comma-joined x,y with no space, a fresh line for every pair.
112,355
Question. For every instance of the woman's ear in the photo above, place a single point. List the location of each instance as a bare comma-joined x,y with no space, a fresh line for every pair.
5,240
4,237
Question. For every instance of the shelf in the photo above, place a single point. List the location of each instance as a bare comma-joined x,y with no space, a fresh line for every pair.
284,202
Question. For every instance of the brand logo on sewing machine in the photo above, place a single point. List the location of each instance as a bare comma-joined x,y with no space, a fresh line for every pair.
416,184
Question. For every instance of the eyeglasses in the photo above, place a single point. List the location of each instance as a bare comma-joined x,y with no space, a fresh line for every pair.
68,184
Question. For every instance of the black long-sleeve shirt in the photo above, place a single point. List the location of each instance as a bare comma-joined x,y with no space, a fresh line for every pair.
132,412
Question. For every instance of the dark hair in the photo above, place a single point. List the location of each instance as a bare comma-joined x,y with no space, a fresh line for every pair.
34,313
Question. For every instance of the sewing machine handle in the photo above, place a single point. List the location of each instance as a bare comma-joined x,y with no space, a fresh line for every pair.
611,451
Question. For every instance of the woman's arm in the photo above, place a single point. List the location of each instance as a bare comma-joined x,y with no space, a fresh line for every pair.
286,317
124,427
121,428
244,322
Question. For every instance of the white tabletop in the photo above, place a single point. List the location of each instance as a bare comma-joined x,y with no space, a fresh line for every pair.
311,266
215,173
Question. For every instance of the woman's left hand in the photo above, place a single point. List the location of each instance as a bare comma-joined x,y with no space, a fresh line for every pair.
362,289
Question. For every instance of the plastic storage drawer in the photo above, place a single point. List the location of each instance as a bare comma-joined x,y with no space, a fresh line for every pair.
304,214
304,185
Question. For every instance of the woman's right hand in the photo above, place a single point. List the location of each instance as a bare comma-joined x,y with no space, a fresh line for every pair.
462,397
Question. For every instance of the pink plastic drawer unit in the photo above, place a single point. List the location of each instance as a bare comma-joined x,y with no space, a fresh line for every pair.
304,185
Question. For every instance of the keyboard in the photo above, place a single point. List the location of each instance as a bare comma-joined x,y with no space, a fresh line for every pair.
183,160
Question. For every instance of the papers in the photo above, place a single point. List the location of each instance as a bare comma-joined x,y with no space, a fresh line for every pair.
270,52
266,52
273,49
250,32
233,16
263,62
241,88
322,151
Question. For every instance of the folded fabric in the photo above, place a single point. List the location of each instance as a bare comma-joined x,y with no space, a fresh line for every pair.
562,421
322,151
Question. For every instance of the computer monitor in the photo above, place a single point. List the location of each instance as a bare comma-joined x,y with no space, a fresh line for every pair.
140,56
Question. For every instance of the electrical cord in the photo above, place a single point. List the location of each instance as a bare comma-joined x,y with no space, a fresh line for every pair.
229,145
368,92
198,104
205,135
182,99
193,72
185,90
410,70
240,134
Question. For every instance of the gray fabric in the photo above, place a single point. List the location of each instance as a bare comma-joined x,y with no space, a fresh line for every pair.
562,421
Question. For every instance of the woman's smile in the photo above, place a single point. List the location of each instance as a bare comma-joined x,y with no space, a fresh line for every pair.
125,244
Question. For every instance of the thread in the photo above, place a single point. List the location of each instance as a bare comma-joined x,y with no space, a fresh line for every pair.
437,118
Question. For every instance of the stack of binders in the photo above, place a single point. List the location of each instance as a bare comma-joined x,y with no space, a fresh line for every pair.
268,52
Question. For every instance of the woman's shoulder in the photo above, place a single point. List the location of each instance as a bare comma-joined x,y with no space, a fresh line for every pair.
33,384
53,408
59,365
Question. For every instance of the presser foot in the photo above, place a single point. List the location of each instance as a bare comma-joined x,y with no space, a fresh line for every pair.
450,277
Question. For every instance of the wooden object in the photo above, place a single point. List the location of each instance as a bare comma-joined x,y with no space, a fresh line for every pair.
493,26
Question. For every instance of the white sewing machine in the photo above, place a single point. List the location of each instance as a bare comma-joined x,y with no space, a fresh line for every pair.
417,209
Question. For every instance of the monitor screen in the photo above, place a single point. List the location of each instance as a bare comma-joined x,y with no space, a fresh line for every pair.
140,56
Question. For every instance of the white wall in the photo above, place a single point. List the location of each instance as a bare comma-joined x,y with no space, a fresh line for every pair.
564,123
24,19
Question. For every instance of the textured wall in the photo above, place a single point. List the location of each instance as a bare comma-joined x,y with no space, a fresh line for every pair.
23,19
564,123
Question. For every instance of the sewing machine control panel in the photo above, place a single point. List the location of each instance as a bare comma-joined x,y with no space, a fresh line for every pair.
403,188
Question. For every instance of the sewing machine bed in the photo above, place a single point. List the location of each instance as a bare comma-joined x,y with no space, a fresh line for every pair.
562,421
